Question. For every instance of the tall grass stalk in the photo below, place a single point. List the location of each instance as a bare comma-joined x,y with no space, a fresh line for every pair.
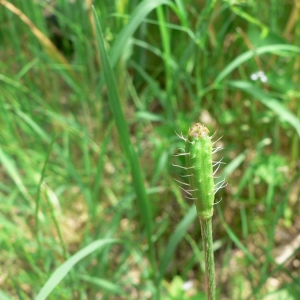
207,242
136,172
199,165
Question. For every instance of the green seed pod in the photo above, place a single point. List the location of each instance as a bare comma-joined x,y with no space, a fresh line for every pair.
199,166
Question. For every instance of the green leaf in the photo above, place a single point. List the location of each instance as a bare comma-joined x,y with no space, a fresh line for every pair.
61,272
235,238
137,17
270,102
130,153
104,284
12,170
176,237
4,296
276,49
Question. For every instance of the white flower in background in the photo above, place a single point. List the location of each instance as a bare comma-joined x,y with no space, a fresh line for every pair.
187,285
259,75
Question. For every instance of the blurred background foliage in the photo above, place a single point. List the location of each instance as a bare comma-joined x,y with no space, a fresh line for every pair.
66,181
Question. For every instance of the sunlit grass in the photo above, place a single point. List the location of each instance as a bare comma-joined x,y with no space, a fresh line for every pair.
82,163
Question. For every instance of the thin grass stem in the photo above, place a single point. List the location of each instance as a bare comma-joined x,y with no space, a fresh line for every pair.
207,242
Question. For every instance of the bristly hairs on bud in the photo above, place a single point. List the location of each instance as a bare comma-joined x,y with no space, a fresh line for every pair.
201,169
199,166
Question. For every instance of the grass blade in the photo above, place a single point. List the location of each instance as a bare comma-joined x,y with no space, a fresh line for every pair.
4,296
268,101
234,238
11,169
125,141
61,272
249,54
137,17
176,237
104,284
43,39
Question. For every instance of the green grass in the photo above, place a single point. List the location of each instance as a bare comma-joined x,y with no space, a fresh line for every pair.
88,205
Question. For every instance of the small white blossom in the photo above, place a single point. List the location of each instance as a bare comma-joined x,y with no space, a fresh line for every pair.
259,75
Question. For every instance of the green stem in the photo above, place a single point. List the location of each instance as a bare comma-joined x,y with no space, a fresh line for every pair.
207,241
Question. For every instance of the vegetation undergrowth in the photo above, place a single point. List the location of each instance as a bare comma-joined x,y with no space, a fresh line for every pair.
88,205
